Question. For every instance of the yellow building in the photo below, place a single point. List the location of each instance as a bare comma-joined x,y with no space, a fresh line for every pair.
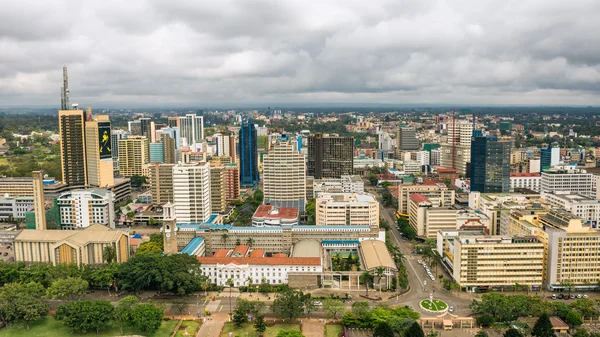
133,154
99,152
70,246
430,190
475,259
347,209
218,188
161,182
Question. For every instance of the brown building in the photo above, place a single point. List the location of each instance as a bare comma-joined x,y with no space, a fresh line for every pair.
161,183
218,189
169,152
71,126
232,182
329,156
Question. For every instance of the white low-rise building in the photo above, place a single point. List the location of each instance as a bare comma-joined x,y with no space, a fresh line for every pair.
530,181
246,266
350,209
15,208
569,179
580,206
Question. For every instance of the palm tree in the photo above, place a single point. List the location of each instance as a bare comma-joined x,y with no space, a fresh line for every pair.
230,284
109,254
250,242
249,280
224,238
379,272
367,278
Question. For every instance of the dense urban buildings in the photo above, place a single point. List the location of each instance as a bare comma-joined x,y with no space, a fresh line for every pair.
330,156
161,187
568,179
98,144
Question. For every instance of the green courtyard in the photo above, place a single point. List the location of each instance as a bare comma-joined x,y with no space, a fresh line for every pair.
437,305
247,329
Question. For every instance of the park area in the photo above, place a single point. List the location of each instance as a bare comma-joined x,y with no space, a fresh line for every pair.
187,328
333,330
247,329
49,327
436,305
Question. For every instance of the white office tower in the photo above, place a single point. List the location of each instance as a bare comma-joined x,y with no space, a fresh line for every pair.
83,208
422,157
284,176
568,179
192,130
386,143
191,192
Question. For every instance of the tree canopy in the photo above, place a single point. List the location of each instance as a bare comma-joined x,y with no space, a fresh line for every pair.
85,316
288,304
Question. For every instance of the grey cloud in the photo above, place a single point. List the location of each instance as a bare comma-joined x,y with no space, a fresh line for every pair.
267,51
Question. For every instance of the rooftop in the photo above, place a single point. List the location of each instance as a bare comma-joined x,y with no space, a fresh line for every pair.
192,246
307,248
416,197
293,261
524,174
375,254
272,212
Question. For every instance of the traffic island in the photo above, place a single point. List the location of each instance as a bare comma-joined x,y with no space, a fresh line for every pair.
434,306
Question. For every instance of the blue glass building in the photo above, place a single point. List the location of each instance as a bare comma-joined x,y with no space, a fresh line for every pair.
490,164
248,152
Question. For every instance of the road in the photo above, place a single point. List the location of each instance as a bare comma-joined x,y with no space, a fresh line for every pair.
416,273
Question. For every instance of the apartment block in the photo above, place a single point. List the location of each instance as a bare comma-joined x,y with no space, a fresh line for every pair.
570,179
479,261
284,176
232,182
71,127
99,152
191,192
161,185
580,206
133,154
530,181
15,208
329,156
347,209
83,208
430,189
218,189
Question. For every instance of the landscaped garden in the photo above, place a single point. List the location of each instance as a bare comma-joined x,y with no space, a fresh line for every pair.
436,305
187,328
247,329
49,327
333,330
345,261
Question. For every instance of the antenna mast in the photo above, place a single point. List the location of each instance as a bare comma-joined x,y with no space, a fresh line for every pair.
64,91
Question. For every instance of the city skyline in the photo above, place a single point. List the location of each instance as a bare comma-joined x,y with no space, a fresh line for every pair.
259,53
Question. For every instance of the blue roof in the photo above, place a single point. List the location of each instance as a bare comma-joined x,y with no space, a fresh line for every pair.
246,228
212,218
192,246
219,227
330,227
137,236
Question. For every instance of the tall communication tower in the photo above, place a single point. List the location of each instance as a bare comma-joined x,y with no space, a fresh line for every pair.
64,91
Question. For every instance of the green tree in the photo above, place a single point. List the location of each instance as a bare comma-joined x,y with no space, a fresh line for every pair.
512,332
573,319
360,308
585,307
309,303
310,211
224,238
260,325
70,288
239,318
288,304
149,248
543,327
137,181
109,254
333,307
124,310
85,316
481,333
367,278
383,330
414,330
581,333
250,242
485,320
289,333
229,283
22,302
373,179
158,239
146,317
379,272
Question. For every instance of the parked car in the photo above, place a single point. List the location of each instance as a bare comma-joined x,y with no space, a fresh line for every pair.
451,309
553,296
420,261
318,303
579,296
585,296
573,296
561,296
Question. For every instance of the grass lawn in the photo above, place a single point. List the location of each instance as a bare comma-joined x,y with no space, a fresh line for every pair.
333,330
248,328
437,305
190,326
49,327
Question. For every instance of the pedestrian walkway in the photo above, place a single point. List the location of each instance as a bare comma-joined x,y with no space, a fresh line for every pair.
313,327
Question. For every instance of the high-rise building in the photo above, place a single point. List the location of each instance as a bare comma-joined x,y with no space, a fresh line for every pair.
248,151
161,186
550,156
232,181
284,176
406,140
385,142
330,157
192,129
225,145
83,208
71,126
116,136
147,128
133,154
38,200
490,164
173,122
456,153
169,148
218,188
568,179
191,192
347,209
156,153
98,152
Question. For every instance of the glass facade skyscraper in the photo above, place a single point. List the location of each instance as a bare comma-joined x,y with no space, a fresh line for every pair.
490,164
248,152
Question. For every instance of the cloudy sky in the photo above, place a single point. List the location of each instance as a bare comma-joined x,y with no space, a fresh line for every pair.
220,52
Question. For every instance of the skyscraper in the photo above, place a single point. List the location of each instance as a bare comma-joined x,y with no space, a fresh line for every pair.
117,135
133,153
330,157
71,126
192,129
550,156
98,152
248,154
161,185
284,176
218,189
456,153
490,164
406,139
146,128
168,148
191,192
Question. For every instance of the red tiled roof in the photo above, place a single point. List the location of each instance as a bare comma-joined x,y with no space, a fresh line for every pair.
387,176
279,255
221,253
525,174
432,182
241,249
442,169
264,211
294,261
417,197
257,253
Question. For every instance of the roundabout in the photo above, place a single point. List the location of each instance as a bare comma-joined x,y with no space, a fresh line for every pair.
434,306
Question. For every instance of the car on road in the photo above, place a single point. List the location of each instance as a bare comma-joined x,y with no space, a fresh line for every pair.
451,309
433,278
573,296
585,296
561,296
318,303
553,296
420,261
579,296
